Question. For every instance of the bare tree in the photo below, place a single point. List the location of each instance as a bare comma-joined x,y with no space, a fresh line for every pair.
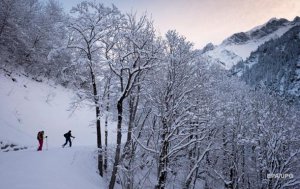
131,55
91,24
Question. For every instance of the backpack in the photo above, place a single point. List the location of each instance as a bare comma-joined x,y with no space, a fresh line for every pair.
66,135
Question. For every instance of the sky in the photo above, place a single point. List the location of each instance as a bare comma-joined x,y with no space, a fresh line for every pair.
205,21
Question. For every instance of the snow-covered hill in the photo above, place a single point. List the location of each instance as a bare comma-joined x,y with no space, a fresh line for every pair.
28,106
275,64
239,46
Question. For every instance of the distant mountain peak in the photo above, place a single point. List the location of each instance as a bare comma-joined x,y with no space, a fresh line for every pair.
208,47
237,38
275,20
296,19
275,64
256,33
239,46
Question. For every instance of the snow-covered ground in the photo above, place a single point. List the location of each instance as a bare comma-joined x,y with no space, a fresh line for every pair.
57,168
28,106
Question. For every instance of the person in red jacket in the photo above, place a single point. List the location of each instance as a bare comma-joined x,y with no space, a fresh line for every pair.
40,137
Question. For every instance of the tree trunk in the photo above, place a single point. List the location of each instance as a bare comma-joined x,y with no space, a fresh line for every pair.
193,154
128,149
118,148
244,185
2,28
105,148
226,164
106,125
163,159
99,143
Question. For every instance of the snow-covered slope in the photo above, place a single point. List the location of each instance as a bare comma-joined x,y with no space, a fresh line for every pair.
275,64
28,106
68,168
239,46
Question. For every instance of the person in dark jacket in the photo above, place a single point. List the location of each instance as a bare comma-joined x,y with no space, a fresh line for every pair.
40,138
68,136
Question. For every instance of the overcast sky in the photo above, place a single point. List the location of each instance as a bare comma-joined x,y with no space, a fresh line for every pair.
204,21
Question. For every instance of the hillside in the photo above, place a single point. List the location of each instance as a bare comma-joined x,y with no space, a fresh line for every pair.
239,46
28,106
275,64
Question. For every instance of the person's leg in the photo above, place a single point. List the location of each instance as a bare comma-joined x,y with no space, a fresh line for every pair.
70,142
40,145
65,143
39,148
42,141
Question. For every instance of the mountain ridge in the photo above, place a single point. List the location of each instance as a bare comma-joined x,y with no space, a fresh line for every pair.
275,64
239,46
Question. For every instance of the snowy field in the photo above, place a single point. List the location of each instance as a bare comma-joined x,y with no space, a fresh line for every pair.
28,106
58,168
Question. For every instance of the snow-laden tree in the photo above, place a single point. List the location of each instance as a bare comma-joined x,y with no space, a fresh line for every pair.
130,54
48,39
17,23
255,139
172,103
275,136
7,8
33,36
187,124
91,23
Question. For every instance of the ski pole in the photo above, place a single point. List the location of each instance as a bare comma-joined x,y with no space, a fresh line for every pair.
46,143
72,140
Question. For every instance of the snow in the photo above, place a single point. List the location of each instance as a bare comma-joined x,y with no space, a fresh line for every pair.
281,88
28,106
230,54
297,73
57,168
295,90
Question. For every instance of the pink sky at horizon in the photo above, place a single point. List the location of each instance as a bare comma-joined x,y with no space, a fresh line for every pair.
204,21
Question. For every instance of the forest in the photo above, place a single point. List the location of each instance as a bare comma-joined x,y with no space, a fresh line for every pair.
181,122
280,58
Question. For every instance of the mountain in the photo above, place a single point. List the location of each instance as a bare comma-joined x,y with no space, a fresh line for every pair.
239,46
275,64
